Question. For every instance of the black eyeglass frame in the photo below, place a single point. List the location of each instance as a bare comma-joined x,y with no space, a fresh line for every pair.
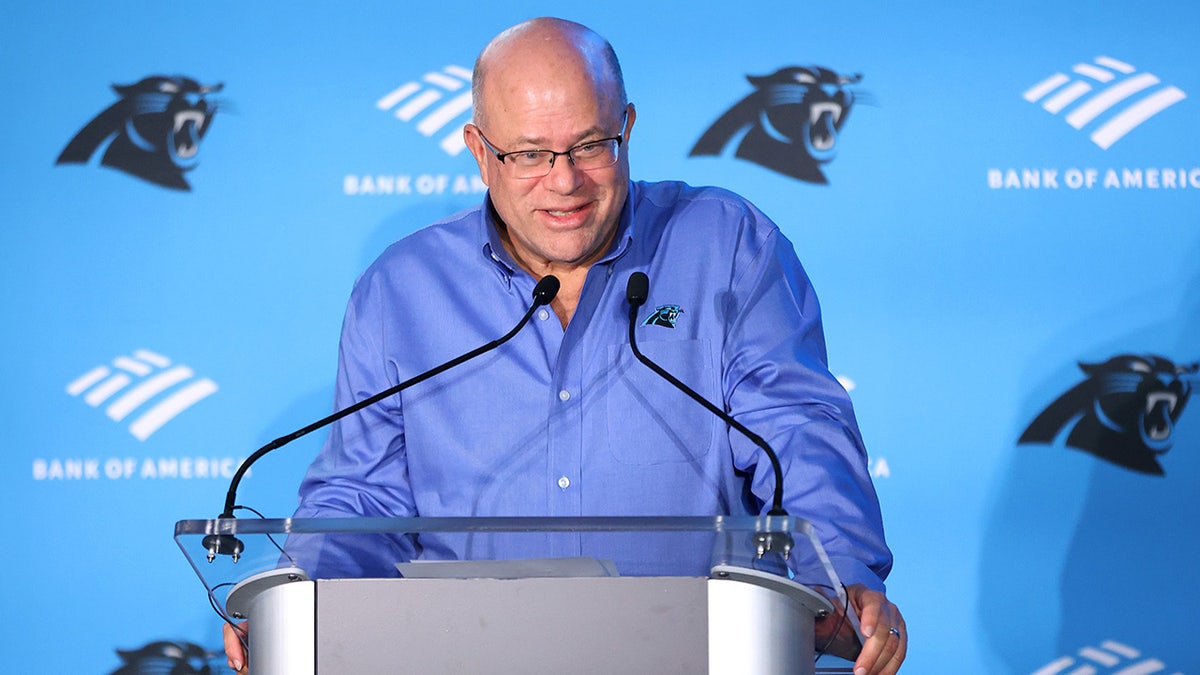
554,154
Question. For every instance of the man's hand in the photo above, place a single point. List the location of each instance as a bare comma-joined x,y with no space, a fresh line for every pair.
235,651
883,629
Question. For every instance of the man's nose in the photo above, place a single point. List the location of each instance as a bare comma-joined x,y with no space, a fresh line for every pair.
564,176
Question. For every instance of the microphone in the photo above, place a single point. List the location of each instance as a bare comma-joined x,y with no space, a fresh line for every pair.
225,544
636,292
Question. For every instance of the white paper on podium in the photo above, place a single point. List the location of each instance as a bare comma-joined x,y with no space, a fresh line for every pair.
525,568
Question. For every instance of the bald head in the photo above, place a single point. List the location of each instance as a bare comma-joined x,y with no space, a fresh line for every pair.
541,50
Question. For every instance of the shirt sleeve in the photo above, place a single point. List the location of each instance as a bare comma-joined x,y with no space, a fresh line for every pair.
361,470
778,383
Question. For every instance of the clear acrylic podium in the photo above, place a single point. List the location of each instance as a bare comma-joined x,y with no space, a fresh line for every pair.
518,595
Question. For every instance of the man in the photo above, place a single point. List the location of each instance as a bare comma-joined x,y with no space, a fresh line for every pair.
563,422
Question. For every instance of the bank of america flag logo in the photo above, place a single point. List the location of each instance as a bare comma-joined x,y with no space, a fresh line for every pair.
439,104
144,388
1109,97
1109,657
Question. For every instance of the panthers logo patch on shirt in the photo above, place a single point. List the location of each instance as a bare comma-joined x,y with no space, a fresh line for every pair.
664,315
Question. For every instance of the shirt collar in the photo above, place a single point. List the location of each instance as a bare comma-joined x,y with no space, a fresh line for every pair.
493,248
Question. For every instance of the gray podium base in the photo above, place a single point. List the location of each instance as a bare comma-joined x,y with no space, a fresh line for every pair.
736,622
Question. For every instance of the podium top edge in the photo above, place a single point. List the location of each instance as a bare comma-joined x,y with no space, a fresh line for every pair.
494,524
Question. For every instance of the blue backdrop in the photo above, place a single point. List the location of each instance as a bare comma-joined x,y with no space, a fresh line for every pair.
1013,190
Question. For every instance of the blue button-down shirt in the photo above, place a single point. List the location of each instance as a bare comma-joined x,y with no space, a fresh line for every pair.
565,422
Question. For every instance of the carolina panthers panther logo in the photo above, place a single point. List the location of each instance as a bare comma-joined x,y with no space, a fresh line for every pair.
790,124
166,658
1125,412
155,130
666,315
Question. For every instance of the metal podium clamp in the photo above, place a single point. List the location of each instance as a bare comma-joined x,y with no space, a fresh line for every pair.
241,598
814,602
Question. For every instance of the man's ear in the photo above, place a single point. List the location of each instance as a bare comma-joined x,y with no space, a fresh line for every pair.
478,150
631,111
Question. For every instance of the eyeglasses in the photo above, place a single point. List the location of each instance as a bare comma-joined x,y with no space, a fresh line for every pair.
586,156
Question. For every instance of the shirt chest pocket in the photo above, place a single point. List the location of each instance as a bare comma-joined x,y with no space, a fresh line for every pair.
649,420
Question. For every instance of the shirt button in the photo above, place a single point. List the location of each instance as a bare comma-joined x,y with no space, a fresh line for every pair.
564,482
543,315
564,395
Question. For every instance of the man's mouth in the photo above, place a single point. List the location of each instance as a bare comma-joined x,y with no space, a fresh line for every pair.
558,213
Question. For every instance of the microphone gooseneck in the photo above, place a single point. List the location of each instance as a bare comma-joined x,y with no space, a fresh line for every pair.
636,292
223,544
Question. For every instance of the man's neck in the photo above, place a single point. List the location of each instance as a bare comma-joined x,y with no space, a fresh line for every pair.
571,276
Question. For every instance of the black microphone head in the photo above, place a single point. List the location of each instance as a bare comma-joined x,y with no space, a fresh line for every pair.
545,290
637,289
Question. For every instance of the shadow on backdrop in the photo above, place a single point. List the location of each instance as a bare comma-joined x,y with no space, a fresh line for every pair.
1087,563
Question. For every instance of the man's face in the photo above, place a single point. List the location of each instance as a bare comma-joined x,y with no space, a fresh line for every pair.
568,217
